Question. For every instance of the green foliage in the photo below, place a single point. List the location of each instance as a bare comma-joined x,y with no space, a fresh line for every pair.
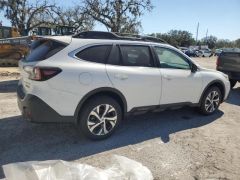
225,43
180,38
237,43
176,38
210,41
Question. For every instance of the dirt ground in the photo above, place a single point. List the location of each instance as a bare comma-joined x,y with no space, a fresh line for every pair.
179,144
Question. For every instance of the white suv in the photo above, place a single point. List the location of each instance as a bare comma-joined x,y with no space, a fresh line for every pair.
95,78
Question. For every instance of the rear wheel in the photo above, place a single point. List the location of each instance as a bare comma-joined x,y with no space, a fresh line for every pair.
232,82
211,101
100,117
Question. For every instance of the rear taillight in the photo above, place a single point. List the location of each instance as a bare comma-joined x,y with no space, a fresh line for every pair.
43,73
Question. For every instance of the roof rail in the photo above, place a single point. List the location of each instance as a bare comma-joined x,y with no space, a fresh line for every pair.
117,36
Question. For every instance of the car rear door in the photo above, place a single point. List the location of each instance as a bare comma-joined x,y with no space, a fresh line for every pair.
132,71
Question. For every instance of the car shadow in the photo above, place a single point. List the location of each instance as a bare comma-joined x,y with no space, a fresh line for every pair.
8,86
25,141
234,97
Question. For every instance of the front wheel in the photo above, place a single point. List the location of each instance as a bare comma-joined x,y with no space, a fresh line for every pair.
100,117
210,101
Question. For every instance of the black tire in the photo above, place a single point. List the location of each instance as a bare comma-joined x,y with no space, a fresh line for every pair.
204,108
232,82
88,118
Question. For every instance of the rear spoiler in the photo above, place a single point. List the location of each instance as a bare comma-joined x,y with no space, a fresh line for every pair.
61,39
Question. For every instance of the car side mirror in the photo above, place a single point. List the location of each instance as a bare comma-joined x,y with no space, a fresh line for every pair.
194,68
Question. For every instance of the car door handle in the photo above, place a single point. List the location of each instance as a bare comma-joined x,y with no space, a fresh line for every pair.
167,77
121,76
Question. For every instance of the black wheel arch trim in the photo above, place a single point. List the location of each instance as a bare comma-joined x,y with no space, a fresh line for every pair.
97,91
209,85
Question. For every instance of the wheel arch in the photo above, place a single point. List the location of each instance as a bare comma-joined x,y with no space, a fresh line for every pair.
107,91
217,83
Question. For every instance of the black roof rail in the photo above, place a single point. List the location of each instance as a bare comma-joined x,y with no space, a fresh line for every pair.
117,36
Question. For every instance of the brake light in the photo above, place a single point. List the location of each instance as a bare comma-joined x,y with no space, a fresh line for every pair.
43,73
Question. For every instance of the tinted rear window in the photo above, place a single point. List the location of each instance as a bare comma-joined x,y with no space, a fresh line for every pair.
43,49
96,54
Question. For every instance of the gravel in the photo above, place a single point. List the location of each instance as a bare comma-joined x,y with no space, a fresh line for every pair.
179,144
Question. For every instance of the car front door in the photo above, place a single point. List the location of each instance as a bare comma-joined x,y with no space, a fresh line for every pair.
179,83
132,70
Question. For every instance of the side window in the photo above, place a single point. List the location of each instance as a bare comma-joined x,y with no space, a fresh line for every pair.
96,54
133,55
170,59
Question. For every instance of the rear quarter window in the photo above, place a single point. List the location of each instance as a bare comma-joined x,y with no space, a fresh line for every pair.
98,54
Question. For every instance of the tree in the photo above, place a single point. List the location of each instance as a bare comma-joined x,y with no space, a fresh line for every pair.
237,43
210,41
183,38
117,15
224,43
177,38
22,13
73,17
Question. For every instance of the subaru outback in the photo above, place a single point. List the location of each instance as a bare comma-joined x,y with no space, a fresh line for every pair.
94,79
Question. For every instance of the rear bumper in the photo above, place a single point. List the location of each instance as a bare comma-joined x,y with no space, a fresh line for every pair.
36,110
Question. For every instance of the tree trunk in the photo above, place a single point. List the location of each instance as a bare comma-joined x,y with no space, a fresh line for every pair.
115,29
21,29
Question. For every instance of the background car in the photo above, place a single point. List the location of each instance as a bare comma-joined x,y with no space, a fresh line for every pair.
217,52
204,53
228,62
183,49
191,53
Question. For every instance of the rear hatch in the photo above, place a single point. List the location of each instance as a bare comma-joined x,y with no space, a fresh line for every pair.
229,61
41,49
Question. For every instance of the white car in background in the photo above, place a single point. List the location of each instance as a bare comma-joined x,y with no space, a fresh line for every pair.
94,79
204,53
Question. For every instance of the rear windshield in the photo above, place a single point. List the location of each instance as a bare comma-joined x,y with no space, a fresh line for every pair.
43,49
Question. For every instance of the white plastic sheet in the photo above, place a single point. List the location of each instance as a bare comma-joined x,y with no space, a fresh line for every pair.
121,168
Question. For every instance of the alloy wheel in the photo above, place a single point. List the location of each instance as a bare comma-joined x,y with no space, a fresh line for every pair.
102,119
212,101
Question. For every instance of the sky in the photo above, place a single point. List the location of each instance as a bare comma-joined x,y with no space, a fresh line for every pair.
220,18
